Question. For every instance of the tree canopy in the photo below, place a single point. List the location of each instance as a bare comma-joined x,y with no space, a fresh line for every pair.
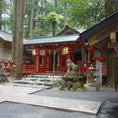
49,16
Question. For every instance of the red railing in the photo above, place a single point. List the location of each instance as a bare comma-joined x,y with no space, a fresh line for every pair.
104,68
28,67
82,67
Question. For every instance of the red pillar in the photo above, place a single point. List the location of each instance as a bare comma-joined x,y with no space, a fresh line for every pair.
35,67
11,65
51,61
5,64
72,55
61,60
87,75
66,56
79,68
45,60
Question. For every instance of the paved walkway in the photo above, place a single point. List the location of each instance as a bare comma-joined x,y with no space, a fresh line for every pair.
21,95
89,95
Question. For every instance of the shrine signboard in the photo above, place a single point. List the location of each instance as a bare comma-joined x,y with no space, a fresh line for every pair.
42,52
97,57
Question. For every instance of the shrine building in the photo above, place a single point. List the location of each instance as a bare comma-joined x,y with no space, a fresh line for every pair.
50,54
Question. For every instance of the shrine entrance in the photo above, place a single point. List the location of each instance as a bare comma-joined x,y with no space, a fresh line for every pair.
51,60
40,60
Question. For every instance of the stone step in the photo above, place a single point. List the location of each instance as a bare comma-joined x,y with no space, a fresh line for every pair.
37,82
38,76
45,76
31,85
41,79
33,82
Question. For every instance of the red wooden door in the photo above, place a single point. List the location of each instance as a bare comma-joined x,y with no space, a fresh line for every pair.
42,61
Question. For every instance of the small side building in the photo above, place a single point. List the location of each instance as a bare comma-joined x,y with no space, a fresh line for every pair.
5,45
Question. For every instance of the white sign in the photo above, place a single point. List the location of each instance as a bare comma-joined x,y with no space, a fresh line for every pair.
42,52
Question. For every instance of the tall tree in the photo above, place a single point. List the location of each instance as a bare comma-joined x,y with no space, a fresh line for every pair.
0,14
54,19
45,6
56,4
14,30
19,43
41,8
65,14
32,19
109,7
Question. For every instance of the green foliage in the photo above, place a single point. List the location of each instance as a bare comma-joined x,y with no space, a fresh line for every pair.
54,18
85,13
80,14
44,24
3,77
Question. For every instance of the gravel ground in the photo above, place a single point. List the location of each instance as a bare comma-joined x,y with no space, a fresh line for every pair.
108,97
108,109
102,96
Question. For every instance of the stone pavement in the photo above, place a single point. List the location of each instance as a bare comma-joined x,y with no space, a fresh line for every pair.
22,95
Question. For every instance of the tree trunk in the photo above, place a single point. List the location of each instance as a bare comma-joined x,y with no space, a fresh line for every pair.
41,13
41,10
0,14
19,44
32,20
14,30
115,5
110,70
53,29
56,4
45,6
65,14
116,72
109,4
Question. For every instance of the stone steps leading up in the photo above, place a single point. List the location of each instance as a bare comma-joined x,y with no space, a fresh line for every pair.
46,81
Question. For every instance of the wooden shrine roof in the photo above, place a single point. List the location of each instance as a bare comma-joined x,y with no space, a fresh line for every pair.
5,36
54,39
99,26
68,30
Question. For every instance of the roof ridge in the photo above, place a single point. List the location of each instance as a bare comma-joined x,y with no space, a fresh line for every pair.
6,32
56,36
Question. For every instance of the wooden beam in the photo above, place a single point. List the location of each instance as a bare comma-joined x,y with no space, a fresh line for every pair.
99,36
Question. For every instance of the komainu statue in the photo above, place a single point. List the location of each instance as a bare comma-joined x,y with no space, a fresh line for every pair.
71,80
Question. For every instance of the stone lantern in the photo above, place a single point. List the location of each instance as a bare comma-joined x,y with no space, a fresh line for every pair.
91,74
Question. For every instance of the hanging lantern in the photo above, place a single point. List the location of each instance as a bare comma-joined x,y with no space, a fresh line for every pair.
34,52
65,50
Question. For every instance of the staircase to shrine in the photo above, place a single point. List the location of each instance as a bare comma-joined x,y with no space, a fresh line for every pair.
45,81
